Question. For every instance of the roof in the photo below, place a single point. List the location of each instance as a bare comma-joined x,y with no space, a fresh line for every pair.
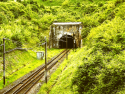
67,23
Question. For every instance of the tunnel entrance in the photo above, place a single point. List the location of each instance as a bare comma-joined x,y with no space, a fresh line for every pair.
62,42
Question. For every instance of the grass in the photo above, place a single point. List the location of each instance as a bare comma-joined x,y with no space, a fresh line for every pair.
103,29
60,80
30,61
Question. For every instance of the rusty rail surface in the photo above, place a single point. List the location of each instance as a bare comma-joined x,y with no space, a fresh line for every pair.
26,84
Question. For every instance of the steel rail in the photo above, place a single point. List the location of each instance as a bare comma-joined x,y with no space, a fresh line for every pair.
33,74
37,78
42,74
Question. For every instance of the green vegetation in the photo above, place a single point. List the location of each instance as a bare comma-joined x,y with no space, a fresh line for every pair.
60,80
99,67
90,72
96,68
100,74
103,70
19,63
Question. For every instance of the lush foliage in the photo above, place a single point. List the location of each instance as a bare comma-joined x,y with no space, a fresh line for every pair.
109,37
103,33
60,80
102,71
100,74
19,63
26,20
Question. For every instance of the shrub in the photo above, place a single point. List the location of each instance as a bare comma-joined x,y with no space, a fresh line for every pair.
99,74
85,32
35,8
88,9
65,4
42,6
107,36
85,76
120,11
90,21
3,18
45,21
100,4
78,4
118,2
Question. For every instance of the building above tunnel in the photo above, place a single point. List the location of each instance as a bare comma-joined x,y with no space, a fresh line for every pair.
65,32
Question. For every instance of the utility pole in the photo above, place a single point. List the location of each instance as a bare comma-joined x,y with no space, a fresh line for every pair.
4,61
62,44
75,44
66,48
45,60
73,41
49,37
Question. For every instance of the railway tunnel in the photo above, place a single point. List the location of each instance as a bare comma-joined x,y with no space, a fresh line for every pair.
70,42
58,32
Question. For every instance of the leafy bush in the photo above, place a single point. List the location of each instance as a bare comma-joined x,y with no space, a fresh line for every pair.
120,11
78,4
89,8
35,8
85,32
90,21
45,21
10,10
42,6
102,71
99,74
119,1
108,37
65,4
100,4
3,18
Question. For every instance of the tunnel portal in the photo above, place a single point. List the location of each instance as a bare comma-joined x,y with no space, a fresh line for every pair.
58,32
70,41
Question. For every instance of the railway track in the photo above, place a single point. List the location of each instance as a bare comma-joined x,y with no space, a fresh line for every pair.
26,84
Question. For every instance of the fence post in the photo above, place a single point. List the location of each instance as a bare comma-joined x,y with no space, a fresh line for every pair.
4,61
45,60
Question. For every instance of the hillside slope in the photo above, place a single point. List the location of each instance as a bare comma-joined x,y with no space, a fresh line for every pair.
99,67
29,21
101,63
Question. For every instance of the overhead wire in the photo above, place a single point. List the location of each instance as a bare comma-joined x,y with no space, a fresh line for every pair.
1,45
1,60
9,64
9,57
14,50
18,48
20,45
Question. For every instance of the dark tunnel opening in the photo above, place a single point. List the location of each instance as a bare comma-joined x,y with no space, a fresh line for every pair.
70,41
